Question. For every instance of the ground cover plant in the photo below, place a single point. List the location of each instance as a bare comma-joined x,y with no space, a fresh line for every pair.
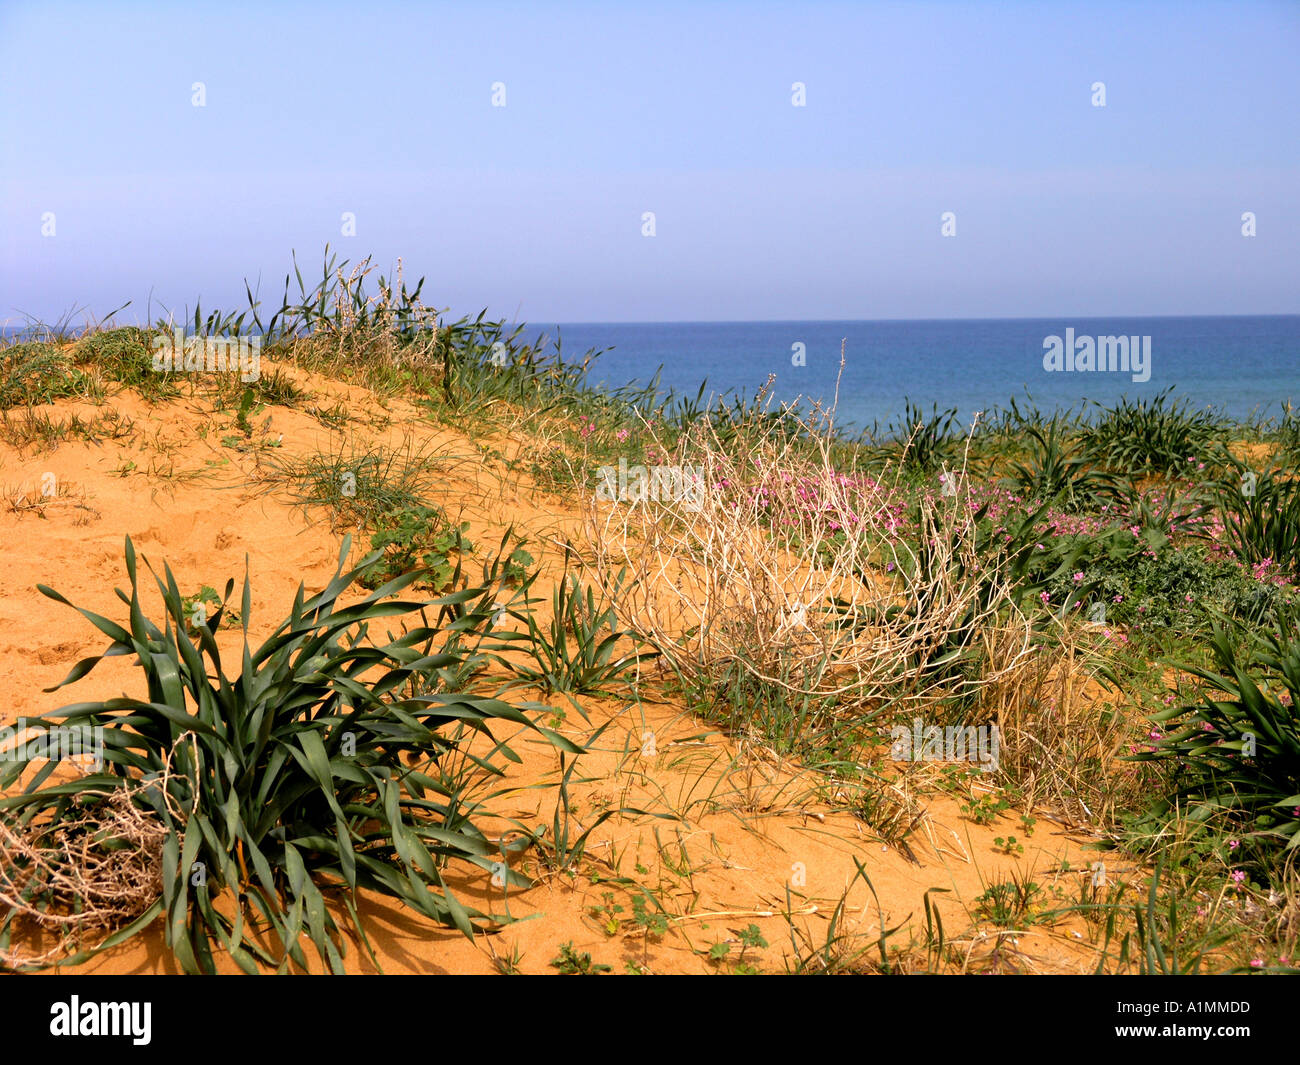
33,372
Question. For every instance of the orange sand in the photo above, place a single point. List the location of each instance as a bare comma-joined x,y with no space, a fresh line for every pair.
738,832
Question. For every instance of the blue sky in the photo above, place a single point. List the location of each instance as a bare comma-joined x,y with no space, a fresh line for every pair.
762,210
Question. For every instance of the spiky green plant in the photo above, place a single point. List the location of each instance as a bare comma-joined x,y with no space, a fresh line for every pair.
1261,517
1056,469
1242,752
583,648
333,763
920,442
1157,435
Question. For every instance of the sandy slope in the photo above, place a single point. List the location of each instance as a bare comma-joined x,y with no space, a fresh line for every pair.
736,833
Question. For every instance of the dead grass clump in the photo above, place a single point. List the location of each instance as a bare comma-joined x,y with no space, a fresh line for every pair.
1060,746
50,497
340,327
37,430
91,871
748,549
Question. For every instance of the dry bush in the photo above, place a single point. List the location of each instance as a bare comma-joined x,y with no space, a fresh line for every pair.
770,557
348,325
1057,745
90,872
1286,930
65,497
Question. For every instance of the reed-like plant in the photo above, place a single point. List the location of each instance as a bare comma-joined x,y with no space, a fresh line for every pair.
1242,752
582,648
334,762
1158,435
358,481
1160,944
1261,517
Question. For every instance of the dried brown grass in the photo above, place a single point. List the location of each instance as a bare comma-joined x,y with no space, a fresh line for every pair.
93,870
1060,746
781,564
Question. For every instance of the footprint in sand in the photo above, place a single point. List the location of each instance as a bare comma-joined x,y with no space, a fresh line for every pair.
61,652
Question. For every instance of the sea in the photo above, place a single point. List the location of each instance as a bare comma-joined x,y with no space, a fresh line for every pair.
1241,366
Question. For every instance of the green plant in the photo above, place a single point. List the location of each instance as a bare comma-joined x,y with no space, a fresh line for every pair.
890,812
278,388
334,416
789,714
922,443
1156,435
1008,903
1057,469
194,608
518,565
571,963
1178,589
1261,518
607,913
359,483
578,651
984,809
750,937
1286,431
935,940
35,427
292,784
125,355
1242,753
1008,845
1160,939
419,538
32,372
885,965
507,964
565,850
245,409
653,925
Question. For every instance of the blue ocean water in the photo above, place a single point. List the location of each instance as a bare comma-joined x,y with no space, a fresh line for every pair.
1239,365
